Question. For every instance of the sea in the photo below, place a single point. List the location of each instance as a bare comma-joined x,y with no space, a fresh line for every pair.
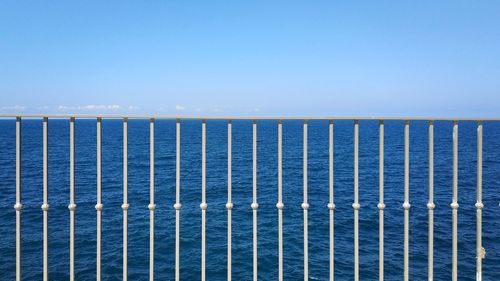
267,185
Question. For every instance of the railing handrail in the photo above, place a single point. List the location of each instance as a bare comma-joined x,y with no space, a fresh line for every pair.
480,251
221,117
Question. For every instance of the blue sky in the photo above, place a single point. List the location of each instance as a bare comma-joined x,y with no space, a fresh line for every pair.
316,58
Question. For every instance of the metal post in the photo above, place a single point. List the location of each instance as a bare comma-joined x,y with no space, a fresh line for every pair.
381,204
280,204
254,205
305,206
454,204
229,204
356,205
331,204
18,205
203,204
152,204
125,204
45,205
99,205
406,204
480,252
177,205
72,204
430,204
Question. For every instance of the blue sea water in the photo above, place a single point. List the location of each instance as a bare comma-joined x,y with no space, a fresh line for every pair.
242,196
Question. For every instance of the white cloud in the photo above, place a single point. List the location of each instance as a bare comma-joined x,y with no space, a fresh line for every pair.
179,107
13,108
100,107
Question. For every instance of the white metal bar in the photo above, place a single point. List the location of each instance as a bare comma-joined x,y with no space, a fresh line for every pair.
356,205
45,205
72,204
203,204
229,204
177,205
331,204
430,204
254,205
173,117
99,205
152,204
125,204
406,204
480,253
18,205
381,204
280,204
305,206
454,204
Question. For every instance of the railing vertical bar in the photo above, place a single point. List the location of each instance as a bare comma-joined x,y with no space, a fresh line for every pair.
305,206
152,204
72,204
406,203
454,204
125,204
177,205
356,205
203,204
331,204
45,205
479,204
18,205
381,204
254,205
99,205
280,204
229,204
430,204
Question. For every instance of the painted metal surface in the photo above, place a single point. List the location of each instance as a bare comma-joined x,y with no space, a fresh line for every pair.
331,202
480,252
152,205
45,205
229,204
406,204
454,206
125,204
305,207
18,205
356,204
430,204
72,204
381,204
99,204
280,204
200,117
254,204
177,205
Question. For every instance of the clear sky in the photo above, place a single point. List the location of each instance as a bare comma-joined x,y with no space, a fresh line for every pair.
316,58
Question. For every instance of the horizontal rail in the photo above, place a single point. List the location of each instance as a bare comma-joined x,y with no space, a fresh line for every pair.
174,117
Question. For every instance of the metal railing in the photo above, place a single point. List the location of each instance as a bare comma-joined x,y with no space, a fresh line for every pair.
254,205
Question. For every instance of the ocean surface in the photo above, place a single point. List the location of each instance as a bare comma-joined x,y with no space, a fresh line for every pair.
85,248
